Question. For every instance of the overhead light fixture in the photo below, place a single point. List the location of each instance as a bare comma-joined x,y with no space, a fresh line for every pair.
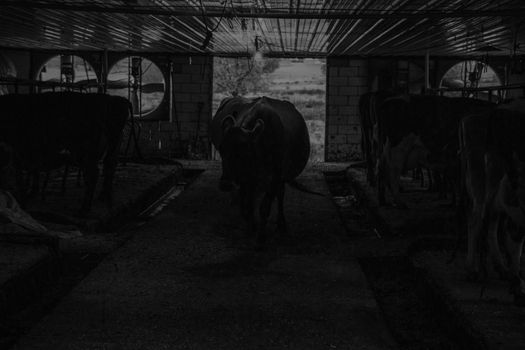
257,55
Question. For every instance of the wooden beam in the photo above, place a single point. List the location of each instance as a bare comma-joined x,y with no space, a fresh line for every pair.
217,11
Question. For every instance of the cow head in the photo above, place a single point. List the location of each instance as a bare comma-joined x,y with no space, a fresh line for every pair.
239,153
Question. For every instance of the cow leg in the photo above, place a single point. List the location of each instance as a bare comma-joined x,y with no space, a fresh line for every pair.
430,182
367,153
496,221
79,177
281,221
394,176
474,226
90,170
35,185
370,176
381,182
44,185
440,185
246,207
20,187
453,193
110,165
514,243
106,194
64,179
264,212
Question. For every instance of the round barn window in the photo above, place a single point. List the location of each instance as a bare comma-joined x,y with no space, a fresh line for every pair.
141,81
469,74
7,71
67,72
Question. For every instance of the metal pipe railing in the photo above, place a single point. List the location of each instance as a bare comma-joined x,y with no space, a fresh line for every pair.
500,89
79,86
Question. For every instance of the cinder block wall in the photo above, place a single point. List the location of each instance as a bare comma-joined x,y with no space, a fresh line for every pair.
347,80
185,133
181,132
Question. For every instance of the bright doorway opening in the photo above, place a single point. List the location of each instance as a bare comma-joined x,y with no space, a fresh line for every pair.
300,81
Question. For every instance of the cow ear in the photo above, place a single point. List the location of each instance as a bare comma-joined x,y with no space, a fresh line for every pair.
258,128
227,123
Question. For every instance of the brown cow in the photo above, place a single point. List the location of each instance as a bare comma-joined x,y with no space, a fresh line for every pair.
493,167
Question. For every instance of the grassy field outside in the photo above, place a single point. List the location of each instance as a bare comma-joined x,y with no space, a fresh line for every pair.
303,83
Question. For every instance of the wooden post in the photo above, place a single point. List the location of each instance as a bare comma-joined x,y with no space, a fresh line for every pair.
170,90
427,71
105,71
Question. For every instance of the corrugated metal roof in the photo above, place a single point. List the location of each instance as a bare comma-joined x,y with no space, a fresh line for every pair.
276,27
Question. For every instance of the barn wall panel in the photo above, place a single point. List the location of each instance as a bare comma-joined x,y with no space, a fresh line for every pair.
185,134
347,79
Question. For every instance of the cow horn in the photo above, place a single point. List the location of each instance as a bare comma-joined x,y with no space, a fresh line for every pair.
227,123
258,128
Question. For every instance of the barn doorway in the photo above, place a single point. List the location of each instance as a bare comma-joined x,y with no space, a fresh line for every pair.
300,81
470,74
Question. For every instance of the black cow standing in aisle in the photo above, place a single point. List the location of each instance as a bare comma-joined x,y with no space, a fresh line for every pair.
264,144
39,127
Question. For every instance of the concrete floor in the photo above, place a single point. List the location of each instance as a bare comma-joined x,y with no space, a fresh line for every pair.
189,279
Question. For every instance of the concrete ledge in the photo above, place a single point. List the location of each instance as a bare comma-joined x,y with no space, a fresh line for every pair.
491,322
24,270
30,264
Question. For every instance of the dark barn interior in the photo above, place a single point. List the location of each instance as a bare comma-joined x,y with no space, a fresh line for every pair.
138,211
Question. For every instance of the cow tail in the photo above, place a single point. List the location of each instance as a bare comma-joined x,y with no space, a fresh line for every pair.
483,248
461,208
374,150
130,110
381,140
364,113
133,134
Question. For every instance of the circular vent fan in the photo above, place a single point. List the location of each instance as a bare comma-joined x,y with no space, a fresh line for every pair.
72,70
140,80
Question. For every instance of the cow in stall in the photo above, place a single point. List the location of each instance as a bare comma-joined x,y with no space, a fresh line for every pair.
368,106
493,167
419,131
39,127
263,144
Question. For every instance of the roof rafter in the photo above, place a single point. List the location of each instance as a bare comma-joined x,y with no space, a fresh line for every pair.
283,13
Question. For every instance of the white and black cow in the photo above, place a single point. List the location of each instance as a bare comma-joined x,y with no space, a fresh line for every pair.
39,127
493,168
263,144
369,104
419,131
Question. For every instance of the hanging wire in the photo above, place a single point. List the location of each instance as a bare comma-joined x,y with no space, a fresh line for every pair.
205,18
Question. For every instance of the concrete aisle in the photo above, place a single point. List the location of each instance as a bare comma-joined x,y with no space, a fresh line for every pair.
189,279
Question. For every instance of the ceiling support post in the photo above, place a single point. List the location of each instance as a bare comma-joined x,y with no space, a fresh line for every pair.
427,70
